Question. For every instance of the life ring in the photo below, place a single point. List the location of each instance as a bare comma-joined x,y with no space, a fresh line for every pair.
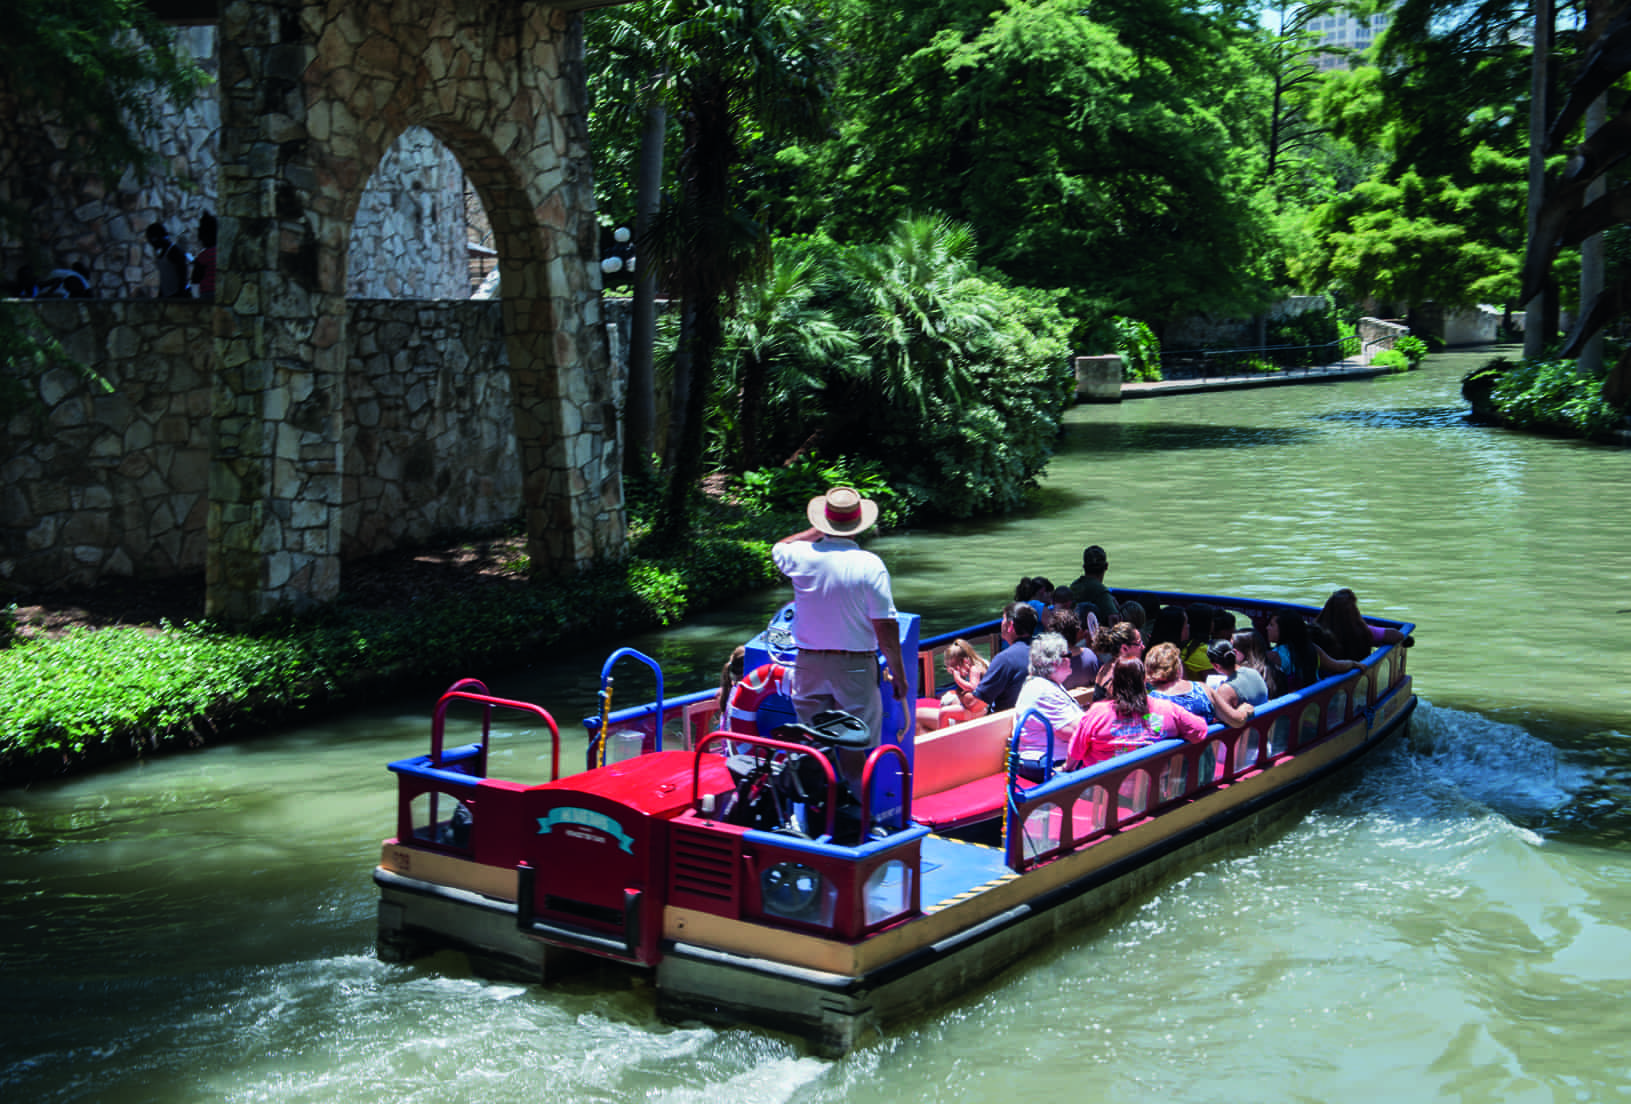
742,708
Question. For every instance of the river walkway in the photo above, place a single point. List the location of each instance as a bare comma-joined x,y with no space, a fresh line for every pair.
1351,368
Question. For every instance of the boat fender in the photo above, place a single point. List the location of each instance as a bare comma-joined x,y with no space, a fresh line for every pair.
742,710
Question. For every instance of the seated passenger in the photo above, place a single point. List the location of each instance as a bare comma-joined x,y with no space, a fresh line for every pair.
1129,719
1193,649
729,676
1084,664
1119,641
1252,651
1064,602
1170,626
1132,612
966,667
1089,589
1351,636
1042,692
1165,674
998,688
1236,697
1301,661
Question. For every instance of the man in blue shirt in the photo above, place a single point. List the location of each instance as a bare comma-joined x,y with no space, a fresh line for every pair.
999,689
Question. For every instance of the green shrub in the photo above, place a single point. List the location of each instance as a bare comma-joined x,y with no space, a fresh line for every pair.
1348,335
788,488
1413,347
1551,394
1142,349
1392,360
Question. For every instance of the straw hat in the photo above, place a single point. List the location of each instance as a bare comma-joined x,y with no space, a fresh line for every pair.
842,512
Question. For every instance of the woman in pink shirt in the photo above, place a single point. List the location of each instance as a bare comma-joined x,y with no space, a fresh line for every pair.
1130,718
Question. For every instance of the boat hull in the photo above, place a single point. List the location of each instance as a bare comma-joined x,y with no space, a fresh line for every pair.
836,1011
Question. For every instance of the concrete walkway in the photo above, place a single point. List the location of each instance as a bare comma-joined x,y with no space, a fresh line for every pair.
1352,368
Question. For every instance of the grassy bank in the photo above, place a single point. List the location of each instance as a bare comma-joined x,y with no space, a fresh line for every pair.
93,696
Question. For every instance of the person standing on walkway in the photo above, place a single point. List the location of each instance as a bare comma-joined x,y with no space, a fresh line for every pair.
172,261
843,614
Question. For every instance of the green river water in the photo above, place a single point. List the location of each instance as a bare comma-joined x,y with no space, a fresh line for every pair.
1456,925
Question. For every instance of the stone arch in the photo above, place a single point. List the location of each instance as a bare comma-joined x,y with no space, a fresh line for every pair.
409,235
314,92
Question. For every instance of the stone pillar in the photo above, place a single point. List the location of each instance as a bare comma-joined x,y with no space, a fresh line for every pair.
1098,378
313,94
275,473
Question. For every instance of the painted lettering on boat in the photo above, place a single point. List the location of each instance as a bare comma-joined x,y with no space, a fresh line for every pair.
585,818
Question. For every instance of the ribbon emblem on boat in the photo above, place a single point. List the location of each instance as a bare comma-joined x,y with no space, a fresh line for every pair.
586,818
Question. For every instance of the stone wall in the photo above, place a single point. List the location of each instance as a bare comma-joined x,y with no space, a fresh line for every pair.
103,484
408,240
410,237
429,432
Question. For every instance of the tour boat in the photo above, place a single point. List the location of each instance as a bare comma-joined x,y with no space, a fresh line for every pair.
829,921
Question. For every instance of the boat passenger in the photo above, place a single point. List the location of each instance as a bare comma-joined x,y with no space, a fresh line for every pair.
1351,636
1234,699
1252,651
1089,590
1170,626
729,676
1300,660
1065,602
999,686
1037,592
1132,612
1199,616
1084,664
1042,691
1129,719
966,666
1223,623
1119,641
1165,673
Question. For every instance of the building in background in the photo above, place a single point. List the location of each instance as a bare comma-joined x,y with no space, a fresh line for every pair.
1352,36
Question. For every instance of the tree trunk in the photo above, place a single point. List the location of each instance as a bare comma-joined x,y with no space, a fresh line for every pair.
640,408
1535,331
1590,363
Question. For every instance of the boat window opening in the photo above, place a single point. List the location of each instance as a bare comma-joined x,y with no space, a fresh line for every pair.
1308,729
888,891
1090,812
1280,736
1134,794
1245,750
441,819
1174,779
1212,763
1337,711
1042,829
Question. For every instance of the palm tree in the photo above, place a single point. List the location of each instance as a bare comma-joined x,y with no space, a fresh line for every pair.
923,307
734,62
780,352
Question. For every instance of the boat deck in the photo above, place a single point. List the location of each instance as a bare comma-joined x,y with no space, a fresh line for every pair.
954,870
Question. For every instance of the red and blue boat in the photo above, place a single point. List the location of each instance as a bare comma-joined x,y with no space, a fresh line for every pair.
829,920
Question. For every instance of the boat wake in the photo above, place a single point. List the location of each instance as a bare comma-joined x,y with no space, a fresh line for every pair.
1458,763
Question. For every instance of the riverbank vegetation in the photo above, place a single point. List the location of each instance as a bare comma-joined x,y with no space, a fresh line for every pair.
82,696
1077,148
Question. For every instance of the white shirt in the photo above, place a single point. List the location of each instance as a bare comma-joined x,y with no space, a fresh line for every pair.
1053,702
838,591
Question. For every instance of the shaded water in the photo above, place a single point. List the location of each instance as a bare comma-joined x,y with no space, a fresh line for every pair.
1456,924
